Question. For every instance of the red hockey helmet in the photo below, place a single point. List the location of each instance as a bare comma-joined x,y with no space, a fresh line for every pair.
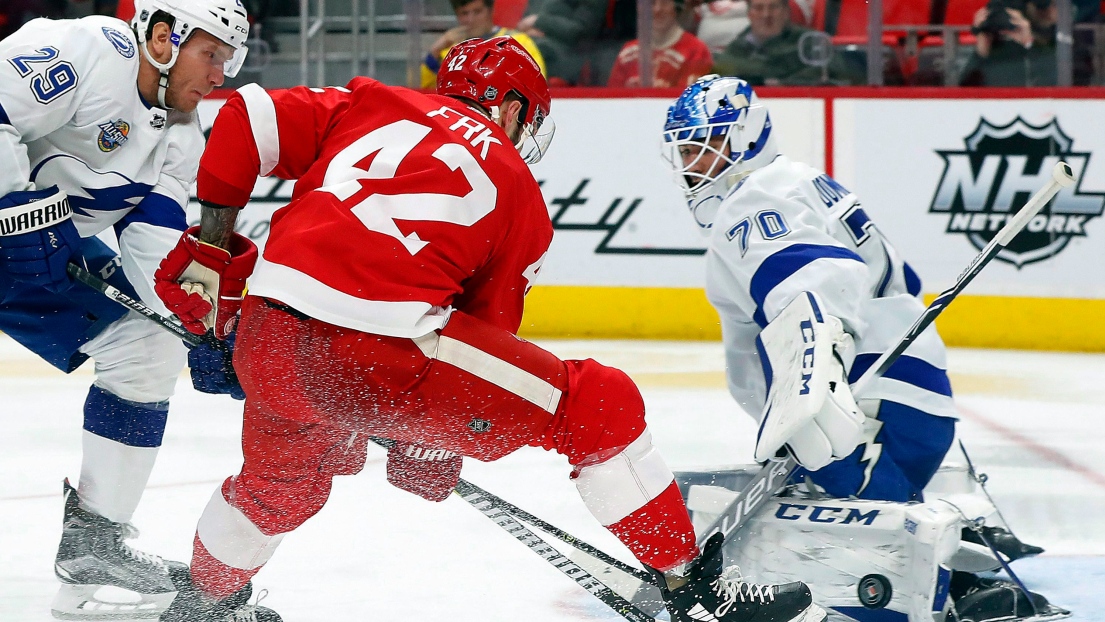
485,71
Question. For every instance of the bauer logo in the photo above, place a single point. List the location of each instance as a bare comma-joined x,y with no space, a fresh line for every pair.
986,183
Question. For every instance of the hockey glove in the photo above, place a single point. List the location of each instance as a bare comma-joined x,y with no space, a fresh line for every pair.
37,237
204,284
212,368
835,430
429,473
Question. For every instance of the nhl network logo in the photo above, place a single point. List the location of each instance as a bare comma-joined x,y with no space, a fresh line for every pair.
985,184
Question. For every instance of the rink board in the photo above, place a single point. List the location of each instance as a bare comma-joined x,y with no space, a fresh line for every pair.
937,169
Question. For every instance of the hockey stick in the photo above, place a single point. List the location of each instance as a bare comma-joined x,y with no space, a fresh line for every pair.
504,515
776,472
486,504
466,489
98,284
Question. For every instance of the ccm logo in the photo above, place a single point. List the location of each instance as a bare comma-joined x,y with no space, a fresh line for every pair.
807,356
824,514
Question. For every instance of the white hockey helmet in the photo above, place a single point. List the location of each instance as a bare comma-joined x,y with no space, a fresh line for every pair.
716,108
223,19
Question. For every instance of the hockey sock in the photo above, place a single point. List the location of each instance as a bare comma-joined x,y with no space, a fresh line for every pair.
659,534
633,493
215,578
120,443
228,548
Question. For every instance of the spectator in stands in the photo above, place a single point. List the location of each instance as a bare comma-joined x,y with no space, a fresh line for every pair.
678,57
766,53
580,39
474,22
720,21
1015,46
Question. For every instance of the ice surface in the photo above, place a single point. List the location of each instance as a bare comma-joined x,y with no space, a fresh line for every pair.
1035,422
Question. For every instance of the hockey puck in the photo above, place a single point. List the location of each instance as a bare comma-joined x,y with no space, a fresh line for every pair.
874,591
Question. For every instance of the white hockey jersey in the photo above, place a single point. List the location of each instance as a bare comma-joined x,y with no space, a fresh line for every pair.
71,116
789,228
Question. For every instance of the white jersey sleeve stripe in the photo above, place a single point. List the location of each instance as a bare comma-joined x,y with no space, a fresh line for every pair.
262,120
778,267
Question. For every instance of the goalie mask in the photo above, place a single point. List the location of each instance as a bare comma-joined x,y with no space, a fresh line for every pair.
716,133
486,71
223,19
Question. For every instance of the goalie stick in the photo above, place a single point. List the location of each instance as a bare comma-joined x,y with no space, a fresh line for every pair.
776,472
87,278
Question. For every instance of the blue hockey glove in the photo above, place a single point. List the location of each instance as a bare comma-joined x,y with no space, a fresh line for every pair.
37,237
212,367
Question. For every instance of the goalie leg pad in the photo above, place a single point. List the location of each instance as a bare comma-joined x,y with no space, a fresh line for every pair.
856,556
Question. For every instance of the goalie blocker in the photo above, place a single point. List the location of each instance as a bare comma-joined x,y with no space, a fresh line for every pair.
809,407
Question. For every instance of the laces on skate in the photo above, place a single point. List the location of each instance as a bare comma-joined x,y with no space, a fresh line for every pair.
129,531
732,587
248,613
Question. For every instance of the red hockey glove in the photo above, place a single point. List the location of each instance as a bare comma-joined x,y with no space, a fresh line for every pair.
429,473
195,274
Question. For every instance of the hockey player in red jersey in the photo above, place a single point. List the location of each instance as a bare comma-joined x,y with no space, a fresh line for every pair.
386,303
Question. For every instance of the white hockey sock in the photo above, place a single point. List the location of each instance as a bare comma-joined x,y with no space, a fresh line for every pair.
113,476
626,482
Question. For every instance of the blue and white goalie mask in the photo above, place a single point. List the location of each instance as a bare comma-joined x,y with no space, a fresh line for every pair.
716,133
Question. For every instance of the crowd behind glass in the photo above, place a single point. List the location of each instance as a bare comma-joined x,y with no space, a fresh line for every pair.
1009,43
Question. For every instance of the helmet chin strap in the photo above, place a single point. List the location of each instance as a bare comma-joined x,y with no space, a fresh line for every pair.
163,68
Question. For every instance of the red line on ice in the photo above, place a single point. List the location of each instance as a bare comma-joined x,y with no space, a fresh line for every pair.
1047,453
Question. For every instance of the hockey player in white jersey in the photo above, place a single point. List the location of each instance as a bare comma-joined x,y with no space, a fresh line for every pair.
785,235
98,133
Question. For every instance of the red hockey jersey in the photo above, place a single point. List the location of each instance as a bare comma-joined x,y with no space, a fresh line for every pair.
407,206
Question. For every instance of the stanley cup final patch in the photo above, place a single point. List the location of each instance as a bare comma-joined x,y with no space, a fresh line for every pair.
35,215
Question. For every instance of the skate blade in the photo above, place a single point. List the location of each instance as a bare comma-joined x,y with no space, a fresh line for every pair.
813,613
107,602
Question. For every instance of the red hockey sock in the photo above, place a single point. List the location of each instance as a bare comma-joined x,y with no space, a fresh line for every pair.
213,577
660,533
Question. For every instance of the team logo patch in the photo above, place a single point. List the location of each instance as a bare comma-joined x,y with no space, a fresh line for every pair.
479,425
120,41
112,135
874,591
157,122
986,183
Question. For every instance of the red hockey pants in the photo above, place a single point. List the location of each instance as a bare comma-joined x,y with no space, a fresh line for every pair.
315,391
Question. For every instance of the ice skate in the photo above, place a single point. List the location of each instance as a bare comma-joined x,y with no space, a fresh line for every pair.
102,577
1003,542
982,599
711,595
192,605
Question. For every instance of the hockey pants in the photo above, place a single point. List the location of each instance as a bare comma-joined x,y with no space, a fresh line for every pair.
314,391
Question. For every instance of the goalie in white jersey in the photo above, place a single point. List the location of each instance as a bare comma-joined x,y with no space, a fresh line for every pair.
98,132
796,269
781,228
